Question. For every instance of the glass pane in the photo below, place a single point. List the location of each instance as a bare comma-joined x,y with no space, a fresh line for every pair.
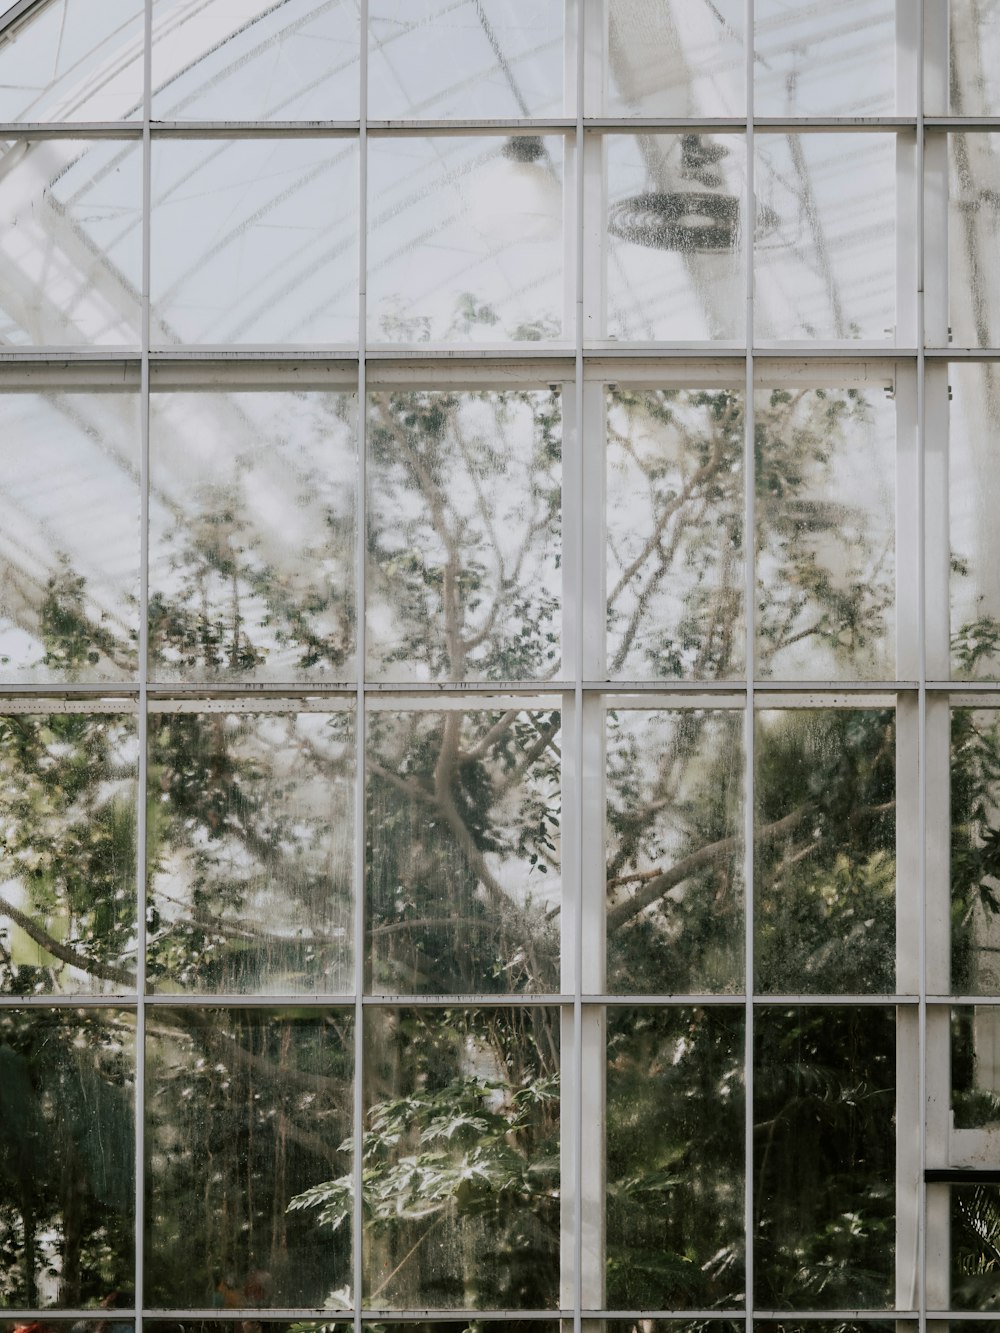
672,58
248,1112
461,1159
67,1173
824,60
252,531
464,577
250,849
973,233
825,239
675,250
674,828
471,59
255,60
466,239
825,851
974,57
675,1165
825,534
975,1071
70,242
674,531
68,803
825,1158
974,497
974,1239
464,884
69,536
72,60
975,851
254,241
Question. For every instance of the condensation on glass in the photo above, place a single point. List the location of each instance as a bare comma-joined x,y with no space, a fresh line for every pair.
674,836
464,541
973,230
465,239
250,851
252,536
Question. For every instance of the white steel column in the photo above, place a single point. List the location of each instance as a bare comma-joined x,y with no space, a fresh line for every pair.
749,540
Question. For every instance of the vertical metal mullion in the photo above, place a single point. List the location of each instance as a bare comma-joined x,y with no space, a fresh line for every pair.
142,721
577,500
749,538
360,548
921,690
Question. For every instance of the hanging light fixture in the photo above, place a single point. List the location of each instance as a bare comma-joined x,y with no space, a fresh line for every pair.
518,197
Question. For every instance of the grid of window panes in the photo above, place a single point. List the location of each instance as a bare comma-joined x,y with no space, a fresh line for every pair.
499,665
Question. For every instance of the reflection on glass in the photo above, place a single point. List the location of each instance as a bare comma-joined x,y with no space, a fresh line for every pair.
973,58
461,1160
675,249
70,242
248,1111
72,60
255,60
825,851
463,890
975,1236
974,496
470,59
824,1158
975,851
672,58
250,847
825,534
825,239
464,543
824,60
466,239
67,1175
674,527
252,536
675,851
675,1167
973,233
254,241
68,798
69,536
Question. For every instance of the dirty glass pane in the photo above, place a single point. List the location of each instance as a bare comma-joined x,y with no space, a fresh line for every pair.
675,1158
672,58
975,845
674,832
68,803
69,536
461,1159
674,530
974,498
825,851
825,533
824,60
464,879
252,531
71,60
974,58
254,241
464,509
973,232
824,1158
70,242
975,1075
67,1161
974,1235
250,851
466,59
825,238
248,1118
255,60
466,241
675,251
